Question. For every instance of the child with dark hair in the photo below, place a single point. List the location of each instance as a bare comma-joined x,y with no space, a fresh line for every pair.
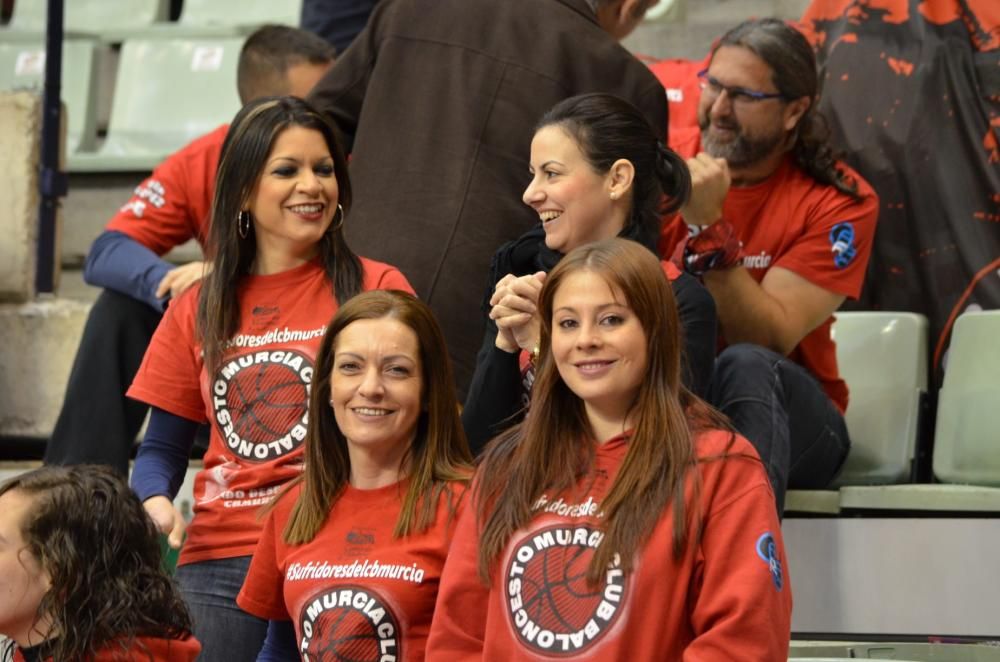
80,572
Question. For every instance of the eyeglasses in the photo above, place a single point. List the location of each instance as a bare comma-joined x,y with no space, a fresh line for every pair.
738,95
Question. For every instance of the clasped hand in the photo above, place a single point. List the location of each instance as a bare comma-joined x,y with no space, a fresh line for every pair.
514,307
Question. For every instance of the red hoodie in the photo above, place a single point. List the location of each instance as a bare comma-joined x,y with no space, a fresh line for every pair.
143,649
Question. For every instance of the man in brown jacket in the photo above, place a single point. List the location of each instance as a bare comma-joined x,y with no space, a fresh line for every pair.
438,100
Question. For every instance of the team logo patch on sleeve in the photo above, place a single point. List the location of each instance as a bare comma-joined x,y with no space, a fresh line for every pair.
767,550
349,623
261,402
842,244
552,608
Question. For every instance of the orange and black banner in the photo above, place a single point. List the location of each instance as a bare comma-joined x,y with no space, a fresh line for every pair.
912,92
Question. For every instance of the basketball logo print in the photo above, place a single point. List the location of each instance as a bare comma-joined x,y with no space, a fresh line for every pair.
767,550
349,624
261,402
552,608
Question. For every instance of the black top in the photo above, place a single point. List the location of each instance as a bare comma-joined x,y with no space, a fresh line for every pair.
496,396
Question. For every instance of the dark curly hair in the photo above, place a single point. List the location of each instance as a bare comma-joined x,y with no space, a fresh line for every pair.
102,553
793,70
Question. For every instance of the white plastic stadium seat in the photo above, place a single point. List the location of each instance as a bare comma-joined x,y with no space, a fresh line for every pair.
966,439
101,18
22,67
883,358
239,12
168,92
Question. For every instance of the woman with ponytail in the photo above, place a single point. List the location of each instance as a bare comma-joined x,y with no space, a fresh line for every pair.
598,172
237,351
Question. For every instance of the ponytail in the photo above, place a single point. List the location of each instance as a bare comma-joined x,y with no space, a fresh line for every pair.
674,176
606,129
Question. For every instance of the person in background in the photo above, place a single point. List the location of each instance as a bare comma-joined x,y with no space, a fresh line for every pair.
337,21
622,520
237,351
97,423
80,572
386,470
439,99
599,172
780,232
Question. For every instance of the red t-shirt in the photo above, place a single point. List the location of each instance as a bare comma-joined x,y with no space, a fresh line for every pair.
354,590
173,204
679,78
792,221
143,649
727,597
256,402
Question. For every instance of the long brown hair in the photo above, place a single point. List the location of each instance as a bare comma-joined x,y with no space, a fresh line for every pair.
439,453
88,530
550,450
793,70
248,143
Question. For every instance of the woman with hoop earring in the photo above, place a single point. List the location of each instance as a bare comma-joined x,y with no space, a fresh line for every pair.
238,350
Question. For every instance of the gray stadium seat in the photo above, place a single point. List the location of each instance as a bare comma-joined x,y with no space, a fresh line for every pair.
236,13
167,92
966,460
883,358
966,438
204,18
22,66
89,17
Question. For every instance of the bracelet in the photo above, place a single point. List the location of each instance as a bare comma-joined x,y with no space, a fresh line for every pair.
715,247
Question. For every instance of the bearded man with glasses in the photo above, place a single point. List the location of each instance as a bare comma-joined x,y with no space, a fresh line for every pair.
780,233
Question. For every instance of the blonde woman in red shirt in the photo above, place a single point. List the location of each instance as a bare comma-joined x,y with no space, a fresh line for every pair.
623,519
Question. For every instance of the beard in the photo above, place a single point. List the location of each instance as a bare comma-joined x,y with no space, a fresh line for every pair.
742,149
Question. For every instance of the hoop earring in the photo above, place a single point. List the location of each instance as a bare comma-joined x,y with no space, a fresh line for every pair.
243,223
338,219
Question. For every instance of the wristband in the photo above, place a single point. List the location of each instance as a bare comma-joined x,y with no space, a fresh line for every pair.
715,247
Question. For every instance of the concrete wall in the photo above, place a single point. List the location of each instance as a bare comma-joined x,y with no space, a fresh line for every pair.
904,577
39,343
20,137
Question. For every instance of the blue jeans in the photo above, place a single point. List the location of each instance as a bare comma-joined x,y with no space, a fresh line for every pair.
226,632
782,410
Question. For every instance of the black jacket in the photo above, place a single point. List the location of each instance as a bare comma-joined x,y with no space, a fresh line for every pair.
496,395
